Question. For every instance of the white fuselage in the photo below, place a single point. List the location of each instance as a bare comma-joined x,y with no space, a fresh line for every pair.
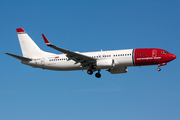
60,62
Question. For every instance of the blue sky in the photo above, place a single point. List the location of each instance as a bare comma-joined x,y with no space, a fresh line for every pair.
140,94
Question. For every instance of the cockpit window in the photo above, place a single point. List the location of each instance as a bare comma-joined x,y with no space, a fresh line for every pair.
164,52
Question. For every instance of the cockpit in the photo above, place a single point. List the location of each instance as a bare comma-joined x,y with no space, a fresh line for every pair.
164,52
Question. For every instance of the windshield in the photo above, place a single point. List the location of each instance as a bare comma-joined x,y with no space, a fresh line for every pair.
164,52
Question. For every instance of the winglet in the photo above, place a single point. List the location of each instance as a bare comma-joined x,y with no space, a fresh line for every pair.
46,40
20,30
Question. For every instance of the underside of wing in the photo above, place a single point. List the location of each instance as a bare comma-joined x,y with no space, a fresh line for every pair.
77,57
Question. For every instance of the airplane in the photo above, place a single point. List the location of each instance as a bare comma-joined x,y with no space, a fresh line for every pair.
115,61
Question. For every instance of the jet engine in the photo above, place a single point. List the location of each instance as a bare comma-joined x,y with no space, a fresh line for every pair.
105,63
118,70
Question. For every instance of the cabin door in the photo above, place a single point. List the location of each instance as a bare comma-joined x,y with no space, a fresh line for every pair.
42,61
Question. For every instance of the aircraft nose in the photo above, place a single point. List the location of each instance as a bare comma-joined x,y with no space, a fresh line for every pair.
172,56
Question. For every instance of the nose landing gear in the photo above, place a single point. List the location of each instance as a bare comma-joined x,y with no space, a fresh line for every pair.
159,69
161,64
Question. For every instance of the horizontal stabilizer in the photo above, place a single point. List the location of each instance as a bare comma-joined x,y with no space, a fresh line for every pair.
19,57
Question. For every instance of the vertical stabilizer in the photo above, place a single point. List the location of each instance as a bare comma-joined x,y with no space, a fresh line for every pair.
28,46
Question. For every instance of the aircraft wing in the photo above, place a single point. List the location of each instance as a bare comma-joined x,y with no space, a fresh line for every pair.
19,57
77,57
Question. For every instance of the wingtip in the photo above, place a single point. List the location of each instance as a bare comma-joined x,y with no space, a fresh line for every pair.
7,53
46,40
20,30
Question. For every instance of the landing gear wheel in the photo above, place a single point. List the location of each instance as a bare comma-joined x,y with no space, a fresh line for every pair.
90,72
98,75
159,69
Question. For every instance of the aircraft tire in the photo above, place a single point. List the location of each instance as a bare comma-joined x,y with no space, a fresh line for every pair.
159,69
90,72
98,75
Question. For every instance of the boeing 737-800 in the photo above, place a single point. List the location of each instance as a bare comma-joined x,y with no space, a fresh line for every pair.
115,61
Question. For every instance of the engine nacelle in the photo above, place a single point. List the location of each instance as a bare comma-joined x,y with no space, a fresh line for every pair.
105,63
118,70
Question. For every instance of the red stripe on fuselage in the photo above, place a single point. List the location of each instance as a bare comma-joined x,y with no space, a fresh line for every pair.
151,56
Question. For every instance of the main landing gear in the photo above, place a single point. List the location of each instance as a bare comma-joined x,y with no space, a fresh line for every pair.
90,72
98,75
